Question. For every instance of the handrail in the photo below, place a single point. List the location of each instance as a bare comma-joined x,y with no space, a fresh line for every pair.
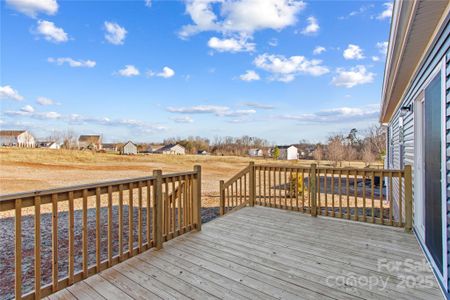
238,191
145,211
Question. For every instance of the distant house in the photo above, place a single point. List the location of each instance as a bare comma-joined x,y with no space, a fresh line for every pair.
110,147
17,138
129,148
49,145
255,152
172,149
91,142
202,152
288,152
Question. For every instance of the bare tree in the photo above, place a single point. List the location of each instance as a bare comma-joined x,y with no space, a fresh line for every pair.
318,153
368,155
70,140
376,136
336,149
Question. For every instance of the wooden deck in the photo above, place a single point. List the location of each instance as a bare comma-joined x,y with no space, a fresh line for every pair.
265,253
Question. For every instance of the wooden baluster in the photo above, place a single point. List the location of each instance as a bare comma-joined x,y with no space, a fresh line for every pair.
140,217
260,188
71,239
110,225
221,198
347,191
174,229
373,196
296,189
121,222
340,193
269,188
364,196
325,179
179,203
148,212
85,253
37,247
333,213
185,208
157,209
303,190
97,229
18,249
166,208
355,191
227,199
285,187
245,189
408,198
319,205
279,189
130,221
391,200
54,242
381,198
291,190
400,199
240,191
265,186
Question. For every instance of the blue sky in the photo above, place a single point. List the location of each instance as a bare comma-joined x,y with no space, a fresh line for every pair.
283,70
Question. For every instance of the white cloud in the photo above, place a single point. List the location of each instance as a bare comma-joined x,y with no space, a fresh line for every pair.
72,62
382,47
357,12
285,69
340,114
7,92
50,32
128,71
318,50
27,109
243,17
353,52
231,45
273,42
32,8
45,101
115,34
258,105
182,119
165,73
221,111
148,3
375,58
387,12
352,77
249,75
313,26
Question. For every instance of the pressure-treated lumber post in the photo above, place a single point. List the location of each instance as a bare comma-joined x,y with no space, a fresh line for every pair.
222,198
313,191
157,209
252,184
408,198
197,205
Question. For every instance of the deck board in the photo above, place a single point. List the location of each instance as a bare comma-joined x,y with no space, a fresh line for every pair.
266,253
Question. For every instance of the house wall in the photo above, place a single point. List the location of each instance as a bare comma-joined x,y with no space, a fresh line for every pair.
24,139
402,127
129,148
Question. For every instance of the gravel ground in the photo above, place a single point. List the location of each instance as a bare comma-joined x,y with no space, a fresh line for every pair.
7,244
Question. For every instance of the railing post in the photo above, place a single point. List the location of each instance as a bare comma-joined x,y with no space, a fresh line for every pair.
313,191
157,209
408,198
252,184
197,205
222,198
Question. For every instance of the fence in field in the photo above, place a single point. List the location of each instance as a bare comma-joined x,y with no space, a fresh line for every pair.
106,223
365,195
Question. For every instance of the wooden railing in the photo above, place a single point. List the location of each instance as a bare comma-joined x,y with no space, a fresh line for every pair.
365,195
238,191
106,223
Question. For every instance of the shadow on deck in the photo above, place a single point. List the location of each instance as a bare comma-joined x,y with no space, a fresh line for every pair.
265,253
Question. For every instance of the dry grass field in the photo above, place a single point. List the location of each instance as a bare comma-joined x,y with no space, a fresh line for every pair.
36,169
